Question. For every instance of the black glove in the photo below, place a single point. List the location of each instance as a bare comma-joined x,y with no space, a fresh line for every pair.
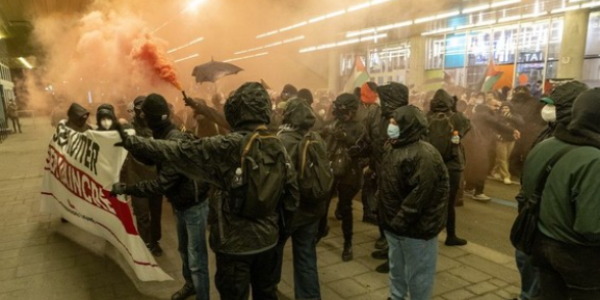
122,133
191,102
118,188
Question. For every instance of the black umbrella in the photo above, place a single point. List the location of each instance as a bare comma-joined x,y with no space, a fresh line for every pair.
214,70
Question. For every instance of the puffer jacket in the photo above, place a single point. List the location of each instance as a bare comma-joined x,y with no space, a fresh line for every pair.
298,119
180,190
414,184
442,102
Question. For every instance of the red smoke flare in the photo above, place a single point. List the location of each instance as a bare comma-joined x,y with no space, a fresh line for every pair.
149,53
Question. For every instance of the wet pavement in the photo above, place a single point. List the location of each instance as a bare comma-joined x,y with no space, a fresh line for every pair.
37,261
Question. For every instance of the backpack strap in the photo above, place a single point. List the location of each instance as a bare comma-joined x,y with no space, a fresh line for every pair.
307,143
539,188
255,135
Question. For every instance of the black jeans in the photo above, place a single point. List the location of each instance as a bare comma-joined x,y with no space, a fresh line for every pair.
455,177
236,273
148,213
346,194
567,271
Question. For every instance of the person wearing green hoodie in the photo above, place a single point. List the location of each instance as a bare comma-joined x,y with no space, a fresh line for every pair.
568,242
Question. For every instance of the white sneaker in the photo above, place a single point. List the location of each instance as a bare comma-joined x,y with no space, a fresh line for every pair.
468,193
507,181
481,197
497,176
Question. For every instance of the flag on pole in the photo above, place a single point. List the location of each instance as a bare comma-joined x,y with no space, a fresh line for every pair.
491,77
358,77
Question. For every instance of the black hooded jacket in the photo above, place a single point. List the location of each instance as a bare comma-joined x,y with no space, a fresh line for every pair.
74,114
215,160
298,119
563,97
442,102
414,184
180,190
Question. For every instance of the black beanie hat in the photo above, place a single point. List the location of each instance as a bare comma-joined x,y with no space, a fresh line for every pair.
306,95
155,105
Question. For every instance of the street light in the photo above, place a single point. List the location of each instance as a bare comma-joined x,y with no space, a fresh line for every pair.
193,5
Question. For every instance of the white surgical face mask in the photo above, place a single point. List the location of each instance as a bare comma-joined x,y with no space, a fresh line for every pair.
549,113
106,123
393,131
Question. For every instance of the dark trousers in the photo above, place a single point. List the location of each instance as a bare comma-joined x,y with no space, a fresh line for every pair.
236,273
148,212
346,194
455,177
306,274
479,163
16,124
567,271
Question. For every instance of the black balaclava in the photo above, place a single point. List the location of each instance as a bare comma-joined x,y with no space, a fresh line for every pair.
344,106
156,112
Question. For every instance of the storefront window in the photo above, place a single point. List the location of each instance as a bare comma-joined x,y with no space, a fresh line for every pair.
505,44
435,53
389,63
533,39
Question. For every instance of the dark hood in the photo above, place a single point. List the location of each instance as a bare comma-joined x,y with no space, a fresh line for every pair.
298,114
250,104
105,111
345,104
584,128
441,102
76,111
392,96
563,97
412,122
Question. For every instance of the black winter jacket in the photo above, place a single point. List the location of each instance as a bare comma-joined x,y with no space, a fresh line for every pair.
181,191
214,160
414,184
442,102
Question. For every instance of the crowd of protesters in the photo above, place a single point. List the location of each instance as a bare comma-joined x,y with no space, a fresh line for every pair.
413,156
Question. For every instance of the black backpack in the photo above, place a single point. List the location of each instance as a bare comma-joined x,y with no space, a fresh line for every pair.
525,227
260,180
440,134
315,177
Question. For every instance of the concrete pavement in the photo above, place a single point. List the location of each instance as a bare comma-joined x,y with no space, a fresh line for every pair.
38,262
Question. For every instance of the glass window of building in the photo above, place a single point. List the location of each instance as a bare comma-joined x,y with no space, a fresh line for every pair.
533,39
478,56
591,66
389,63
435,53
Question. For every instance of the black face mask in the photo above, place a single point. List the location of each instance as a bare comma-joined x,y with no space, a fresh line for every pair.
138,118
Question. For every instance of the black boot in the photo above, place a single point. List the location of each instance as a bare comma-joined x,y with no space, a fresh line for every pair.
455,241
347,254
384,268
185,292
380,254
381,243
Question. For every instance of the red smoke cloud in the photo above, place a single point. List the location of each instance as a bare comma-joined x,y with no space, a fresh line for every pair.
154,56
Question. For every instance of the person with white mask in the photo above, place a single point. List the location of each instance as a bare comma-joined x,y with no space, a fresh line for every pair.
556,111
105,117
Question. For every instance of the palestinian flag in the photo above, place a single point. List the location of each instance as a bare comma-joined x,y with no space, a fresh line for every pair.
358,77
491,77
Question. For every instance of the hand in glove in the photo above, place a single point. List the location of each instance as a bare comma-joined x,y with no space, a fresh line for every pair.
124,135
191,102
118,188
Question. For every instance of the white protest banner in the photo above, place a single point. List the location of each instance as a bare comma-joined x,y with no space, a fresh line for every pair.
80,170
